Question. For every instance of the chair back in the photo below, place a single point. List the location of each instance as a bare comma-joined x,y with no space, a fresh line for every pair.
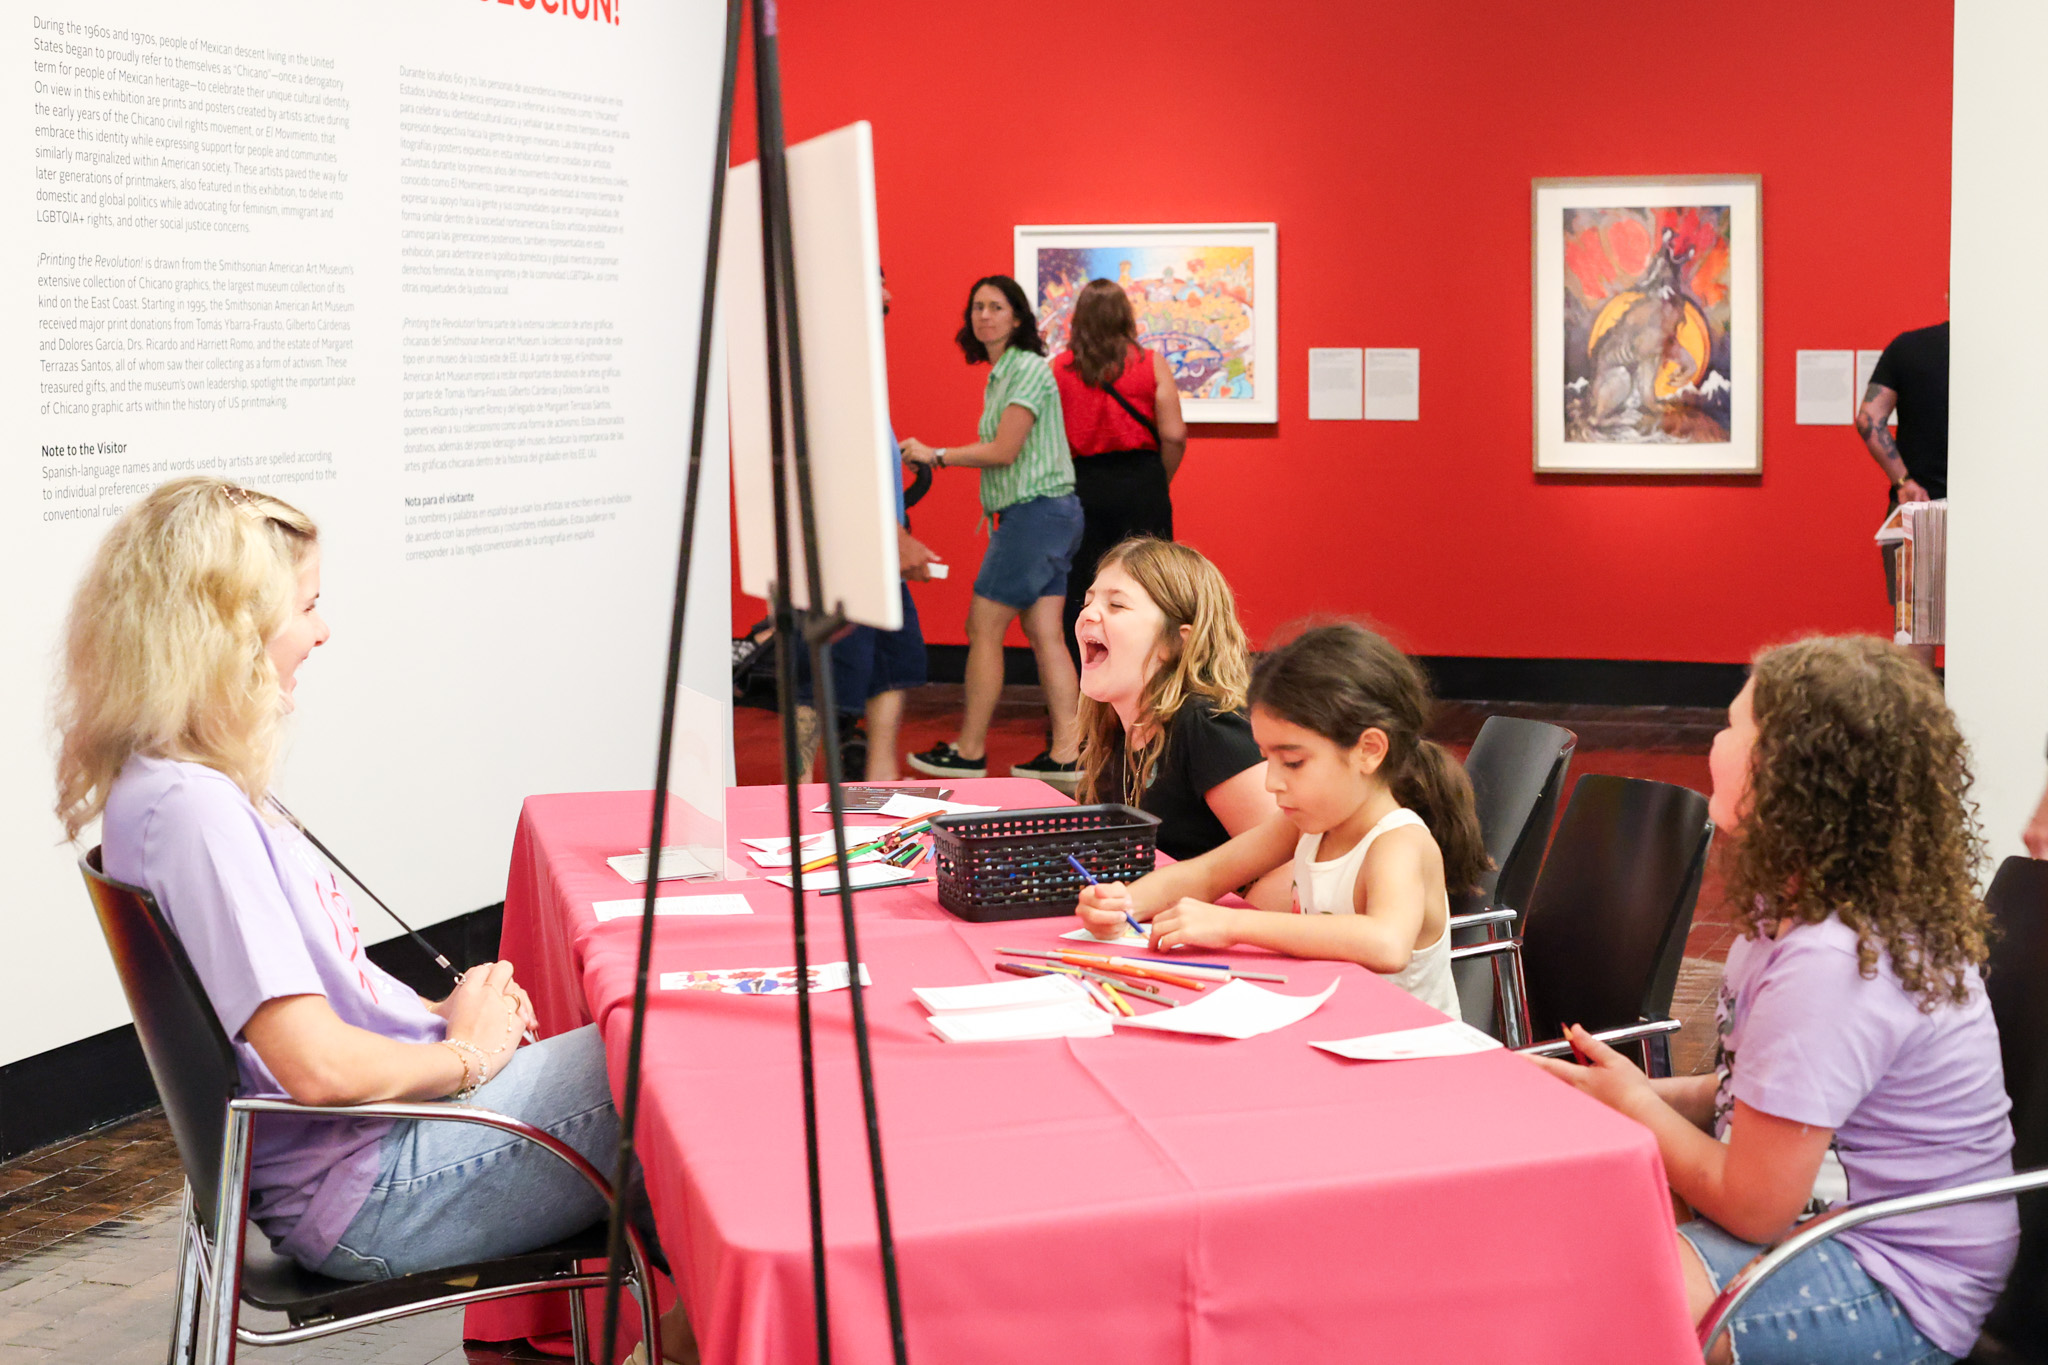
1517,769
1605,927
189,1055
2016,979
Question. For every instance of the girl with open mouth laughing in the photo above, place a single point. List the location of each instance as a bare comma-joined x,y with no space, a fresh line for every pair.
1164,668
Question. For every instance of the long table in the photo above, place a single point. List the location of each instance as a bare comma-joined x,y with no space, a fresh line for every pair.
1143,1198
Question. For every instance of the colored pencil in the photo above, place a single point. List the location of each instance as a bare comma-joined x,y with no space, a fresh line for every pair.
1125,966
1095,994
1030,969
1116,998
1215,967
885,837
1090,878
1115,964
1145,992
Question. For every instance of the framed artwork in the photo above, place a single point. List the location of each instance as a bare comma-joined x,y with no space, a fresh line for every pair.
1648,313
1206,296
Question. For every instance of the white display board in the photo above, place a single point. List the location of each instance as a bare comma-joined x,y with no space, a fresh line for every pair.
1997,652
855,470
431,272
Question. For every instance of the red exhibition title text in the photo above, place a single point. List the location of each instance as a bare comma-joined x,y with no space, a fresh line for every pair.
603,11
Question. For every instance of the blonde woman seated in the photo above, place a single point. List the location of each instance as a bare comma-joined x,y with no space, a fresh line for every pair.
181,660
1164,668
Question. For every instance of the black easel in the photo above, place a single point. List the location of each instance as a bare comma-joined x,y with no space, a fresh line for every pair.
790,453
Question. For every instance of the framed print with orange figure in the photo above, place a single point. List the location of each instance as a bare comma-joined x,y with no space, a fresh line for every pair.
1648,321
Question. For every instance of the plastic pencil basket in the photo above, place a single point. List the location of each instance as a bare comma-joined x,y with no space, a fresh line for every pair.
1013,864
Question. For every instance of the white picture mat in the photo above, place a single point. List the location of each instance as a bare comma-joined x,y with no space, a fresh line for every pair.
452,688
1743,452
1262,238
855,471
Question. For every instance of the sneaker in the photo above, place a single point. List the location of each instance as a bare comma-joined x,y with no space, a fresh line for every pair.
1065,776
943,760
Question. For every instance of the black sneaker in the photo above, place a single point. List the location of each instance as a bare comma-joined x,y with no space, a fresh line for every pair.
1065,776
943,760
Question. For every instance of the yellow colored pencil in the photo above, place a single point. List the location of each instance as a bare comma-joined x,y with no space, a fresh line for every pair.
1116,998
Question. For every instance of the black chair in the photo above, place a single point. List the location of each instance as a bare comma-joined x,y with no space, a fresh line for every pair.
1517,769
2018,901
1604,932
220,1267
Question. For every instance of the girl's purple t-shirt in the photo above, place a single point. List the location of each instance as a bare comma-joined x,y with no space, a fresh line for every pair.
1916,1098
260,918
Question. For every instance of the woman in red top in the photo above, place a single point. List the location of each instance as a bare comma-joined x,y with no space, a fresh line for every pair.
1124,429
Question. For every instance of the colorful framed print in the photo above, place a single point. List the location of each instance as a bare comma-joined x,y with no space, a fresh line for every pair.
1206,296
1648,320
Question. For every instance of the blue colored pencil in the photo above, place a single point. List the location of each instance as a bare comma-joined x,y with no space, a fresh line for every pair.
1089,877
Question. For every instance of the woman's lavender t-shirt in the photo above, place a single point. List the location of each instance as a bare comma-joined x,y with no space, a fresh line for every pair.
1917,1101
261,919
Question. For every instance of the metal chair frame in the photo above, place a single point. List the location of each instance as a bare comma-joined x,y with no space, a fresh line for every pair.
205,1335
1841,1219
209,1287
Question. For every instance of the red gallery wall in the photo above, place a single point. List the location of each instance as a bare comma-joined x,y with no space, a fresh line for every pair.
1394,146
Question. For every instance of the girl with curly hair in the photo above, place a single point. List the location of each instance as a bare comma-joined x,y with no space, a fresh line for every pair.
1859,1058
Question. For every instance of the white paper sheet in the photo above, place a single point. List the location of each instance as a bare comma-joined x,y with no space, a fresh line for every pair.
1393,384
1237,1009
1068,1019
1127,939
1448,1039
1336,384
1824,397
903,807
676,905
861,876
820,841
780,857
676,864
1024,993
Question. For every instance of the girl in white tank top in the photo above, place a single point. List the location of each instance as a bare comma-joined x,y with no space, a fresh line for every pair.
1331,888
1342,718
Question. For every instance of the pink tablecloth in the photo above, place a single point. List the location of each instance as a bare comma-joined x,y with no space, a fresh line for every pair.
1142,1198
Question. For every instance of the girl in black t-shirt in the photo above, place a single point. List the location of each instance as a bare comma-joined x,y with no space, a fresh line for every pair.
1164,667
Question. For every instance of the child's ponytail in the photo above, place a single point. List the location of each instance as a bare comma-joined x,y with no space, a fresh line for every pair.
1343,680
1436,788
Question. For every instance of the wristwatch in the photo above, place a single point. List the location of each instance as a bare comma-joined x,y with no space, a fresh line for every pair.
939,457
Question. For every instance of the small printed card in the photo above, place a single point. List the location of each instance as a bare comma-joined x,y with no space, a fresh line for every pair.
825,976
1448,1039
675,905
1126,939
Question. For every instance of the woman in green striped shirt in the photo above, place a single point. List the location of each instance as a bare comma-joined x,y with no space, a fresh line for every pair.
1027,489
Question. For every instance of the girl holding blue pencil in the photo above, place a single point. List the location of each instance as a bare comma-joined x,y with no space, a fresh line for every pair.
1377,820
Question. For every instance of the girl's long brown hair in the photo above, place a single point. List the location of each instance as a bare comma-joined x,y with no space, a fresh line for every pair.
1342,680
1213,663
1859,808
1105,332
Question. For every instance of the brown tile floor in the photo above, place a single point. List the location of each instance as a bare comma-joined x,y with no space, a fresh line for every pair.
88,1227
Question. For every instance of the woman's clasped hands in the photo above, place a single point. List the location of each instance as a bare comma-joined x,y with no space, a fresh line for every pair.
489,1010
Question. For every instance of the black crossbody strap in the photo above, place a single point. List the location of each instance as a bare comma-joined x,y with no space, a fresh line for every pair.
1125,403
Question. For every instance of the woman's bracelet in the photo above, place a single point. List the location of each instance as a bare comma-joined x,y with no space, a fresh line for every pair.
465,1051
